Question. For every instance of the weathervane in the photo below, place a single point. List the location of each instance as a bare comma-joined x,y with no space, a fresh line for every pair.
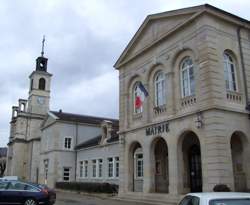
43,45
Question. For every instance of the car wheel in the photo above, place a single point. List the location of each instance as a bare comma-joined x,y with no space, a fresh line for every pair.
30,202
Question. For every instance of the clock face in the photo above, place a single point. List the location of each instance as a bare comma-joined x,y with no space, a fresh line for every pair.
40,100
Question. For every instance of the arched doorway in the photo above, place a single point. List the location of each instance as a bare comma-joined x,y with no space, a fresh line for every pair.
238,143
161,173
190,159
136,166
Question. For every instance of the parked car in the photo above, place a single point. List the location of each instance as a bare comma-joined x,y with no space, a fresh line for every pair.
19,192
216,198
9,178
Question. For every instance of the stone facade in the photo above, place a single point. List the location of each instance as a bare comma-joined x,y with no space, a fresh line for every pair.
193,126
27,117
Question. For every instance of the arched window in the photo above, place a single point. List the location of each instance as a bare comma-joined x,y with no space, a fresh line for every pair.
22,107
160,89
42,83
31,84
229,72
137,98
187,77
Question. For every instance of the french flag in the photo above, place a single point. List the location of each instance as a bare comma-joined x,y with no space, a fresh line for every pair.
138,99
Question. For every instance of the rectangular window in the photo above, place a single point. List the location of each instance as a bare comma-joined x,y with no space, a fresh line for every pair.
117,167
66,173
46,170
100,168
94,168
85,169
139,165
110,167
67,142
81,169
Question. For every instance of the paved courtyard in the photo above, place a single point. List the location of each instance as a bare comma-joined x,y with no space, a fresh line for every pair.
66,198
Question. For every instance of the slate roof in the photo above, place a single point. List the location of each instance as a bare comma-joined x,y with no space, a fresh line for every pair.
96,141
3,151
83,118
89,143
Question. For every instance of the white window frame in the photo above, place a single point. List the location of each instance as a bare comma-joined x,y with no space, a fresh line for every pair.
81,169
46,170
187,69
137,92
110,165
85,174
138,169
229,75
66,145
66,172
94,168
100,168
117,167
160,89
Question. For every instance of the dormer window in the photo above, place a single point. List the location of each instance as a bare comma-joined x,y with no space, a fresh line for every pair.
106,127
105,132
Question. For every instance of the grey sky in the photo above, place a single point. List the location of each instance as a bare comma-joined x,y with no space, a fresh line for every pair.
84,38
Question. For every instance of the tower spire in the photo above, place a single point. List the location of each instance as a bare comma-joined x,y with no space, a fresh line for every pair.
43,45
41,61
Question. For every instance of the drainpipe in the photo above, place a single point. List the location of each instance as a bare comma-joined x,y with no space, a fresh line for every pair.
243,70
76,150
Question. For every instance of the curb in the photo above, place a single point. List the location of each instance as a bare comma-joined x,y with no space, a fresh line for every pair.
98,195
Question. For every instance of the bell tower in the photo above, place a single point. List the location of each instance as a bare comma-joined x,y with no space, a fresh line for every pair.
39,92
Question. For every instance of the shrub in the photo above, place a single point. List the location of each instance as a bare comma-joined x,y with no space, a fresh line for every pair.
221,188
90,187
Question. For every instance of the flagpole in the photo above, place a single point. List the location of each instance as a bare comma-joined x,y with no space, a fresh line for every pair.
146,94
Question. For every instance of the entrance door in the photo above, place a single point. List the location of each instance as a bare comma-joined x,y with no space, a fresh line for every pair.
195,169
161,166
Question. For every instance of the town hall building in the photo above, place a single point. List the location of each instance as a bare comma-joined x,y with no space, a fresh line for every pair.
185,105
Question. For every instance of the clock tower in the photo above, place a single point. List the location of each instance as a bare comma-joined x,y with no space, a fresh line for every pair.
39,92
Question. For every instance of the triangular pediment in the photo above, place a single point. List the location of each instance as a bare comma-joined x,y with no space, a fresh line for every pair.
154,30
157,26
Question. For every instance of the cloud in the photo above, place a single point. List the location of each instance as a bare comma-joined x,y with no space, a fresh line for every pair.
84,38
96,96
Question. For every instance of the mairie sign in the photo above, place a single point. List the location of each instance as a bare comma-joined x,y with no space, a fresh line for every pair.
157,129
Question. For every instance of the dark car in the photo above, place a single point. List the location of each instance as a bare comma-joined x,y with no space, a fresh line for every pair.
18,192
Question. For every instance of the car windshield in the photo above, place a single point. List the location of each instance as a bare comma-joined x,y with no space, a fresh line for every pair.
245,201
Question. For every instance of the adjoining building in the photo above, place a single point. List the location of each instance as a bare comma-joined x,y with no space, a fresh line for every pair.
78,148
184,104
48,146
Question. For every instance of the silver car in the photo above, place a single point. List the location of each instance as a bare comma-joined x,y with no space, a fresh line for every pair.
216,198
